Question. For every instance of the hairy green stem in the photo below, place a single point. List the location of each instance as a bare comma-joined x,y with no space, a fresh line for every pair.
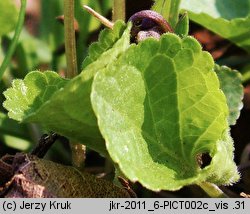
119,10
14,41
212,190
70,43
77,149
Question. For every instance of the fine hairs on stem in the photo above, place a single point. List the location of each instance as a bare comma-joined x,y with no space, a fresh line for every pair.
70,44
212,190
119,10
78,150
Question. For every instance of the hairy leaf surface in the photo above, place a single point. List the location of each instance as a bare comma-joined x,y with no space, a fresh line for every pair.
159,108
64,106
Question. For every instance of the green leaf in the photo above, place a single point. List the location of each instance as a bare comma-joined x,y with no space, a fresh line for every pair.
228,18
9,16
11,127
30,53
94,24
64,106
1,52
169,9
245,71
101,7
230,81
16,143
88,23
50,30
35,177
159,108
106,6
182,27
99,52
27,96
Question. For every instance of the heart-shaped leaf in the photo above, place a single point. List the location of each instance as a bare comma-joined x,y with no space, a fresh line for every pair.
160,110
64,106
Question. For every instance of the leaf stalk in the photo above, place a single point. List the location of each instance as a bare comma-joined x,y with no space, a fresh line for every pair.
213,190
119,10
78,150
70,43
14,41
101,18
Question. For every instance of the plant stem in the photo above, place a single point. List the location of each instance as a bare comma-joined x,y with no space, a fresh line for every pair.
119,10
15,38
77,149
101,18
70,43
212,190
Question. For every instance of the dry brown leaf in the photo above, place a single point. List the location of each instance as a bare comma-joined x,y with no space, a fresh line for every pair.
37,178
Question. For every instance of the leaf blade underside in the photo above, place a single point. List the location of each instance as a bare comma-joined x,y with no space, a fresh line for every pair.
159,109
